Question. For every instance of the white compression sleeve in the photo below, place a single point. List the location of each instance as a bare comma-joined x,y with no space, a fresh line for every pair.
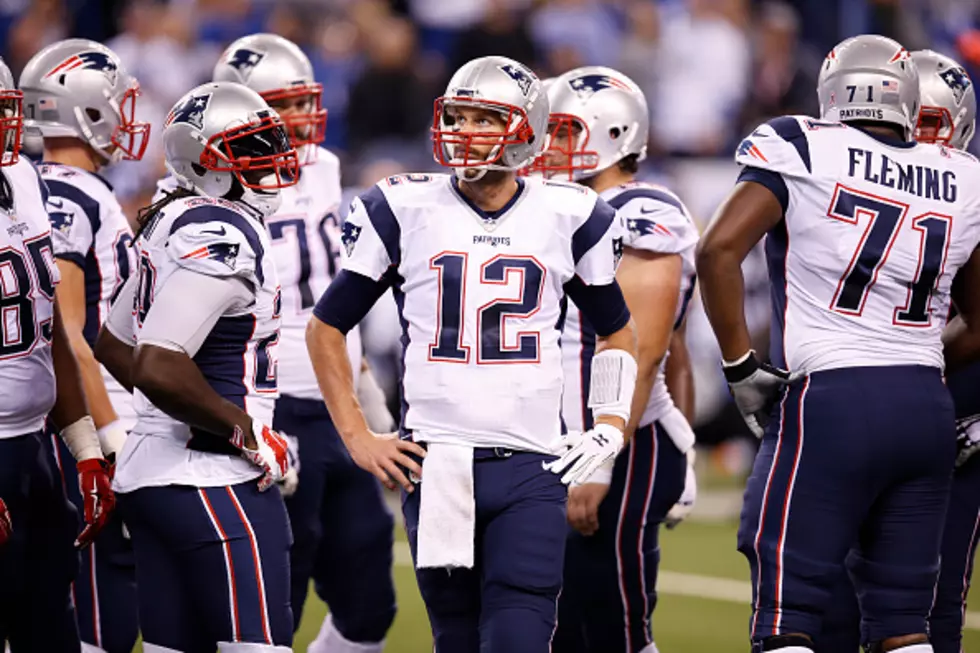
177,322
613,380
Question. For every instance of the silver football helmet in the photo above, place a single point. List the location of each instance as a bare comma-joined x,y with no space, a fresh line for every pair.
949,104
598,117
870,78
279,71
11,117
223,140
497,84
79,89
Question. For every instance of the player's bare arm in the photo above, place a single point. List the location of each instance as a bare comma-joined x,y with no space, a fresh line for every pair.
961,339
116,356
679,377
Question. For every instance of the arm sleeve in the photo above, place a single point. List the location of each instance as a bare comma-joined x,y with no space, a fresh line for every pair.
120,319
348,299
604,305
175,323
596,245
371,235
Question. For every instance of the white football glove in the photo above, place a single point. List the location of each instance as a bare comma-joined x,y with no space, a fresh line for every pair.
685,504
587,457
967,438
270,454
755,388
290,481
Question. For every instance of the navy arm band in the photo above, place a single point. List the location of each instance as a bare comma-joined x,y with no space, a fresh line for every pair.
604,306
348,299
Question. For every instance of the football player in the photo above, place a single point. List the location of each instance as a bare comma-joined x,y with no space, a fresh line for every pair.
598,132
39,375
479,261
865,230
194,332
82,102
337,509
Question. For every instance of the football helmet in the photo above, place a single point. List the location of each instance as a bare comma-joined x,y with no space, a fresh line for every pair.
949,105
79,89
870,78
497,84
279,71
11,117
598,117
223,140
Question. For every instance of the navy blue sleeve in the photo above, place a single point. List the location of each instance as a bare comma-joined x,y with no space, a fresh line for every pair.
348,299
593,229
74,194
771,180
384,222
604,306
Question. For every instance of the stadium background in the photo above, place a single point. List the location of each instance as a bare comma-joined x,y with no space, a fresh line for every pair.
711,69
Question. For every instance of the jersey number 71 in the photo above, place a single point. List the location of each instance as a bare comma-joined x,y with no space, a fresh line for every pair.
885,218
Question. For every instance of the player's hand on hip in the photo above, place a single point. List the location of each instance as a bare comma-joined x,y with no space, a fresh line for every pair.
583,506
385,455
94,482
685,504
756,387
6,524
265,449
582,455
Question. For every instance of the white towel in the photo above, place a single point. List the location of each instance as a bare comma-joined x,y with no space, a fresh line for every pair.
447,508
678,429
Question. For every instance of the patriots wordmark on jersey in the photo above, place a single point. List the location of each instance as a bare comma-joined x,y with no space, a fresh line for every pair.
89,229
237,357
28,276
875,230
480,299
651,219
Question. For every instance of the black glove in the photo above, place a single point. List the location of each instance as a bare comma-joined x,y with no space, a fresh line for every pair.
755,387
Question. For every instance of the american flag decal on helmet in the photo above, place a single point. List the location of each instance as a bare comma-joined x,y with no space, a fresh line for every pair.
225,253
587,85
90,60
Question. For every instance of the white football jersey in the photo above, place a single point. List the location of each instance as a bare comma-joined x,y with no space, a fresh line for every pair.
305,236
88,228
653,219
874,232
28,276
238,357
480,299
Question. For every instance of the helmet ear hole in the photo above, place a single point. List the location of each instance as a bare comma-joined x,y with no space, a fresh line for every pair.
93,114
198,169
615,132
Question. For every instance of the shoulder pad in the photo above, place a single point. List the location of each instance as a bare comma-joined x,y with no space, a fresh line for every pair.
213,238
779,145
655,219
63,189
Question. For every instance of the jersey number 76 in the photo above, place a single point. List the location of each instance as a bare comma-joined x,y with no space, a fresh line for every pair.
885,218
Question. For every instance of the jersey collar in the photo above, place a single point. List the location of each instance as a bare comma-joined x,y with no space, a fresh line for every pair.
886,140
490,219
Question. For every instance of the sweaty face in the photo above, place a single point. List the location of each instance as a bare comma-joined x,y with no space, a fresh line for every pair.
484,127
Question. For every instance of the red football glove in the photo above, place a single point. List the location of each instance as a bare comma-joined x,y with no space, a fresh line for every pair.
6,526
94,483
270,455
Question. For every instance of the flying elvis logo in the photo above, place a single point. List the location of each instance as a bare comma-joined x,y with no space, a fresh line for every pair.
523,77
958,82
588,85
190,111
244,60
89,60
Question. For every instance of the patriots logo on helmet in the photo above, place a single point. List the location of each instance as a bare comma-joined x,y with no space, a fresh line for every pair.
226,253
958,82
349,234
522,76
90,60
642,227
588,85
190,111
244,60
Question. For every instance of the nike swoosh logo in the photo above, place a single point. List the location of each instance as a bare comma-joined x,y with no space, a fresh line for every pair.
58,204
214,231
644,211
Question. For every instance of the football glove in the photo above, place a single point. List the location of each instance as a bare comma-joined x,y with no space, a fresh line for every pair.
6,525
290,481
94,482
587,457
755,388
685,504
967,438
270,455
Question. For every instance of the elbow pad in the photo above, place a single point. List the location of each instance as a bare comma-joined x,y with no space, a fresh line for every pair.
613,380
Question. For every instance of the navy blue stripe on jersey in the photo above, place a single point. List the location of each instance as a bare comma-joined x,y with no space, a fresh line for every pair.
686,301
587,337
771,180
348,299
214,213
487,215
93,296
593,229
45,191
777,248
603,305
405,340
790,131
221,357
384,222
74,194
645,193
964,386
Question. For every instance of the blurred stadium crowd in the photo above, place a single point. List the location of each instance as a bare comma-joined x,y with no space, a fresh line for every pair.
710,69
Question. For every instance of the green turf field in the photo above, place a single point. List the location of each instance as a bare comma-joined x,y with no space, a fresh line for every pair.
682,623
